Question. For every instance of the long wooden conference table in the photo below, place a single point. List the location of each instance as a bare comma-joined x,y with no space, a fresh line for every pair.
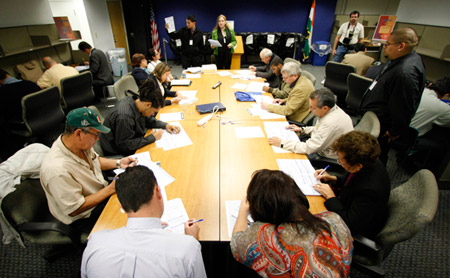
217,167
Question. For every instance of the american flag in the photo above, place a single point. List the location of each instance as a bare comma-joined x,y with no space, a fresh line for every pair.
155,36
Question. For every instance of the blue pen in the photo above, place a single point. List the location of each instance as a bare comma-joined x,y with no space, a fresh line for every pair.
200,220
323,171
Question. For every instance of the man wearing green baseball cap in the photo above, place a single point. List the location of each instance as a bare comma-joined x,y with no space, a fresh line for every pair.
71,173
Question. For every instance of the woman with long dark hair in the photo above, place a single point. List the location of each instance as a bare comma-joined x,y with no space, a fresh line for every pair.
286,239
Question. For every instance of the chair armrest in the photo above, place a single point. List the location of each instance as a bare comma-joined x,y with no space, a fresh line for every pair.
368,243
51,226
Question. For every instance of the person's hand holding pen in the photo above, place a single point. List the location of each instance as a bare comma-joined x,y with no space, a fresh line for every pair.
128,162
322,175
157,133
192,228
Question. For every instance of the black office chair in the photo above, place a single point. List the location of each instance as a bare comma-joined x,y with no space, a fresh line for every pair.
42,116
357,86
411,208
26,210
336,80
76,91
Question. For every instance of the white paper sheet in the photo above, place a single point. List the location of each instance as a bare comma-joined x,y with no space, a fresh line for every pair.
171,22
249,39
209,67
239,86
193,75
224,73
232,210
264,114
289,42
215,43
256,87
194,69
270,38
171,117
302,172
190,97
173,141
180,82
162,177
178,42
278,129
249,132
175,215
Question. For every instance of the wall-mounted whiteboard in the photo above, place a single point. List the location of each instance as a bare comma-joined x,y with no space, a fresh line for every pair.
430,12
25,12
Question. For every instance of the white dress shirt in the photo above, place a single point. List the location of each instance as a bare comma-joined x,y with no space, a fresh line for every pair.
142,249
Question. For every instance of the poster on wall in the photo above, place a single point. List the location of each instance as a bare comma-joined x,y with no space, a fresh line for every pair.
385,26
64,29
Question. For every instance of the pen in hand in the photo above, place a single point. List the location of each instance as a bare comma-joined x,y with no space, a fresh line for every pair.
323,171
192,222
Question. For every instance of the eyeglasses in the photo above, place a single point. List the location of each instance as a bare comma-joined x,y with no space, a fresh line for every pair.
97,135
386,44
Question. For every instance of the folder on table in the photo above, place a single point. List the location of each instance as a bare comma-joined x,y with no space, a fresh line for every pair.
209,107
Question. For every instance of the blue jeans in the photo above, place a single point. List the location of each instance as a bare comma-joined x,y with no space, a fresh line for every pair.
340,53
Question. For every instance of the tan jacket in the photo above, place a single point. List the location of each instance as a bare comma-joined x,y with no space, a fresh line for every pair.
53,76
296,106
360,61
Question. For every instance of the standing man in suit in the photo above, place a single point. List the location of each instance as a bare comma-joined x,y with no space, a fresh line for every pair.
359,59
348,35
191,43
396,91
99,67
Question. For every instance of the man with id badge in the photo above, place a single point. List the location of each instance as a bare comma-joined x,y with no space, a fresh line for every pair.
395,93
191,43
349,34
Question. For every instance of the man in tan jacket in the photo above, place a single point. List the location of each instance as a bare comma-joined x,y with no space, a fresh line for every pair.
296,105
54,73
359,59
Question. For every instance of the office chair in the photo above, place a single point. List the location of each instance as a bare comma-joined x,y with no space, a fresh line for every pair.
357,86
127,82
336,80
42,116
26,210
411,207
369,123
76,91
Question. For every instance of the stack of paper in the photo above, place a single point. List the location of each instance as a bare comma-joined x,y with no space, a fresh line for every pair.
256,87
175,215
194,69
172,141
263,114
180,82
302,172
171,117
278,129
224,73
144,159
193,75
190,97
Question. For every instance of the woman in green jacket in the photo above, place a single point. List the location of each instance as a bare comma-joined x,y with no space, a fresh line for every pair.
226,37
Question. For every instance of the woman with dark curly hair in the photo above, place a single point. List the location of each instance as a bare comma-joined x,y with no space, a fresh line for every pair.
361,198
286,240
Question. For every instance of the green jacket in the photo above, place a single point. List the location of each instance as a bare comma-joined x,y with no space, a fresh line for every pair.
214,36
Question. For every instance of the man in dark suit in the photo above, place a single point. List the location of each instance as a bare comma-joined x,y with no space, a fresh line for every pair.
191,43
99,67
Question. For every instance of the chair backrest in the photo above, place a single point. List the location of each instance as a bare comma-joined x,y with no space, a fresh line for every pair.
336,79
411,206
369,123
76,91
357,86
127,82
42,111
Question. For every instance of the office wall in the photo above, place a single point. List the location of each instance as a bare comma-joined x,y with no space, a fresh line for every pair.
430,12
99,24
249,16
367,7
25,12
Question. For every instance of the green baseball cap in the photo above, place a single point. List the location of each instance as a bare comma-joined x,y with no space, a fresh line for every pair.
85,117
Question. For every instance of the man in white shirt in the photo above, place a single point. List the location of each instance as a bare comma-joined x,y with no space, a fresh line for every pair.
54,73
348,35
143,248
432,120
332,122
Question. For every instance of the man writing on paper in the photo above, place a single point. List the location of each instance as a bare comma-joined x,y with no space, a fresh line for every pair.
71,173
295,107
131,118
267,57
332,122
54,73
191,43
143,248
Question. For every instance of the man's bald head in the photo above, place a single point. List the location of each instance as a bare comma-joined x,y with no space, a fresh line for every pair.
48,62
407,36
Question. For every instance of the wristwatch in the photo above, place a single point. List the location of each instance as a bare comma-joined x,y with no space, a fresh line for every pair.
118,163
281,145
